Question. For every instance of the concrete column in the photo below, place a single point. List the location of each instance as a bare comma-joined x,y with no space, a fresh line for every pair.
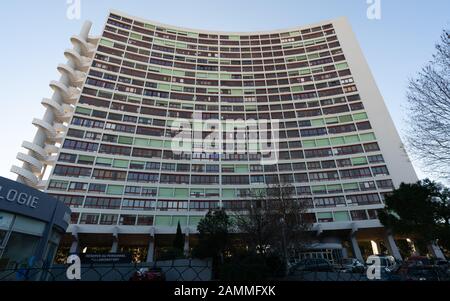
151,249
115,245
436,251
186,248
344,252
392,247
74,246
355,247
186,245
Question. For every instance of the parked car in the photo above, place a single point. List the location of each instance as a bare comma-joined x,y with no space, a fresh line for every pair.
312,265
388,263
148,274
350,265
442,265
389,268
421,268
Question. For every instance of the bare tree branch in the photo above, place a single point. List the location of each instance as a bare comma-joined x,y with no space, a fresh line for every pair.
429,112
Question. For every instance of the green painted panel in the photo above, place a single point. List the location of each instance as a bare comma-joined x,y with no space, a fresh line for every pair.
181,192
341,66
166,192
141,141
107,43
360,116
317,122
194,220
125,140
86,158
228,193
83,111
156,143
322,142
121,163
368,137
115,189
309,143
161,220
351,139
182,219
241,168
104,161
324,215
341,216
359,161
337,141
345,119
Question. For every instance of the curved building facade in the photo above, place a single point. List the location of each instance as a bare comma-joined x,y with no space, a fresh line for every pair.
118,132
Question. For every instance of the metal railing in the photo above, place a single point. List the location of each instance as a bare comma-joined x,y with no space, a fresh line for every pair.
174,270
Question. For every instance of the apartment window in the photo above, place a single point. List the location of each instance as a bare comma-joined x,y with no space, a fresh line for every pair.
127,220
74,201
329,202
80,145
152,165
58,185
97,187
115,150
89,219
375,159
371,147
108,219
70,171
324,176
358,215
138,204
69,158
364,199
200,179
133,190
145,220
147,191
385,184
355,173
143,177
78,186
380,171
109,174
102,203
174,179
237,180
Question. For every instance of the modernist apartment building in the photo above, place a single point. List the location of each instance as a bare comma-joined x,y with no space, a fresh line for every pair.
108,133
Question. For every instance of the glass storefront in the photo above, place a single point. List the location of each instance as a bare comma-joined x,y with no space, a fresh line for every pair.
19,238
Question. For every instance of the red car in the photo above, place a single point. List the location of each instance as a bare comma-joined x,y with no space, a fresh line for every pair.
146,274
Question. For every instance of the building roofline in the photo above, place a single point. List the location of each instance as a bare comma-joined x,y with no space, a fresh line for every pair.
215,32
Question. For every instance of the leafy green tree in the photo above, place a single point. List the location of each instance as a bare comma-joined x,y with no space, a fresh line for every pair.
213,235
419,210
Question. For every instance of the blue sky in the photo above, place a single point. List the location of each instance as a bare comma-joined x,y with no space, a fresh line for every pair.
36,33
